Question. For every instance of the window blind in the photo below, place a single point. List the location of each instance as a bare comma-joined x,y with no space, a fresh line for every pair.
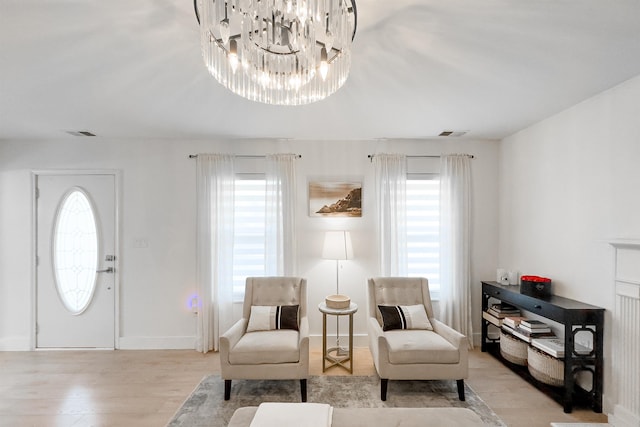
249,232
423,230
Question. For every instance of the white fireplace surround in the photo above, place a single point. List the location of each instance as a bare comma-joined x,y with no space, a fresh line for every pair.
626,334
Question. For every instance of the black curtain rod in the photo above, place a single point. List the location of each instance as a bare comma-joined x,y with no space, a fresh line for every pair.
256,156
371,156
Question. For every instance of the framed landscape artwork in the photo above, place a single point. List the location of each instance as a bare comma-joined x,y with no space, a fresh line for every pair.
335,198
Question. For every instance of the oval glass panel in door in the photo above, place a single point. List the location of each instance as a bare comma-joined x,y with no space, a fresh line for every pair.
75,250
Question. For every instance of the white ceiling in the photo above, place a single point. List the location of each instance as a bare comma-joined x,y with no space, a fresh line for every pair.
133,69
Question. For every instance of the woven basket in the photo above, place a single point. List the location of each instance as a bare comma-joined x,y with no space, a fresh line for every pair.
545,368
513,349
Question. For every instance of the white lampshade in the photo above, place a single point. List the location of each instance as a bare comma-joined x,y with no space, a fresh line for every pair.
337,245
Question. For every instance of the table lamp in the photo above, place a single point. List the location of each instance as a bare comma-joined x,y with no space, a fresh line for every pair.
337,245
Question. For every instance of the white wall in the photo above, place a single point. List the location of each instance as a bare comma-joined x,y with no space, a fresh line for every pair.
568,185
158,205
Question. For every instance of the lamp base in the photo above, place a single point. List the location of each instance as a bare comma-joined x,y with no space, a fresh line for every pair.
341,351
338,301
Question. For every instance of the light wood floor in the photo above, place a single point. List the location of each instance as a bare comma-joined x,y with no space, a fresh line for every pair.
145,388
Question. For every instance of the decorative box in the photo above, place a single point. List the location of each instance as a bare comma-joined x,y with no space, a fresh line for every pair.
535,286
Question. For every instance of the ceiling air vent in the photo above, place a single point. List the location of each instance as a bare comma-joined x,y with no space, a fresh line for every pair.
80,133
453,132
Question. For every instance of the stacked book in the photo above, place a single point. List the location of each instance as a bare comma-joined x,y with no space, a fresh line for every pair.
503,310
555,347
497,312
513,321
515,326
491,319
534,326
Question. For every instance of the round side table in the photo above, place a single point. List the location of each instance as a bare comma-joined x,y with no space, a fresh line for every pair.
328,355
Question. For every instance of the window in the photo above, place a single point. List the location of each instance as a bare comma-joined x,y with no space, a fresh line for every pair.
75,251
249,231
423,229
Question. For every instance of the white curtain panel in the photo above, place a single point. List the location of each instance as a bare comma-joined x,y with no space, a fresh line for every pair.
455,245
280,214
391,200
214,258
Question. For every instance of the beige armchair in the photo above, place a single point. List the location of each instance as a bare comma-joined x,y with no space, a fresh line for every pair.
261,346
414,353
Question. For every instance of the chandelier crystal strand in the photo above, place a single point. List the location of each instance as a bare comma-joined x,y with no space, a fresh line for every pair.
282,52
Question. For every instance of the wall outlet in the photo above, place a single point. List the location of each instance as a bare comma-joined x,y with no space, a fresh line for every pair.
194,306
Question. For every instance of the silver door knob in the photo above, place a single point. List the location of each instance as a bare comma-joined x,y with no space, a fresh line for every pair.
106,270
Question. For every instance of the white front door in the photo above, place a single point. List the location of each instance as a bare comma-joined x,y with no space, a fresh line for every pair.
76,260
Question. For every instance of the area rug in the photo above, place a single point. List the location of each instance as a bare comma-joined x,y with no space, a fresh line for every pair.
206,405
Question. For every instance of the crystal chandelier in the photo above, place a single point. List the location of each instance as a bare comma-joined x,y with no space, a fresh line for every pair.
281,52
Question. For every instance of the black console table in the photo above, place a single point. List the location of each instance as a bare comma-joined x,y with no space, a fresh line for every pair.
576,317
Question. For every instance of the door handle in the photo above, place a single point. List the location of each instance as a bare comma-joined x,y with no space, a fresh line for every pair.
106,270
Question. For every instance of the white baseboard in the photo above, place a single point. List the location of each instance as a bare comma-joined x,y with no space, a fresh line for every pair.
358,340
125,343
15,344
157,343
622,417
362,340
477,339
188,343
